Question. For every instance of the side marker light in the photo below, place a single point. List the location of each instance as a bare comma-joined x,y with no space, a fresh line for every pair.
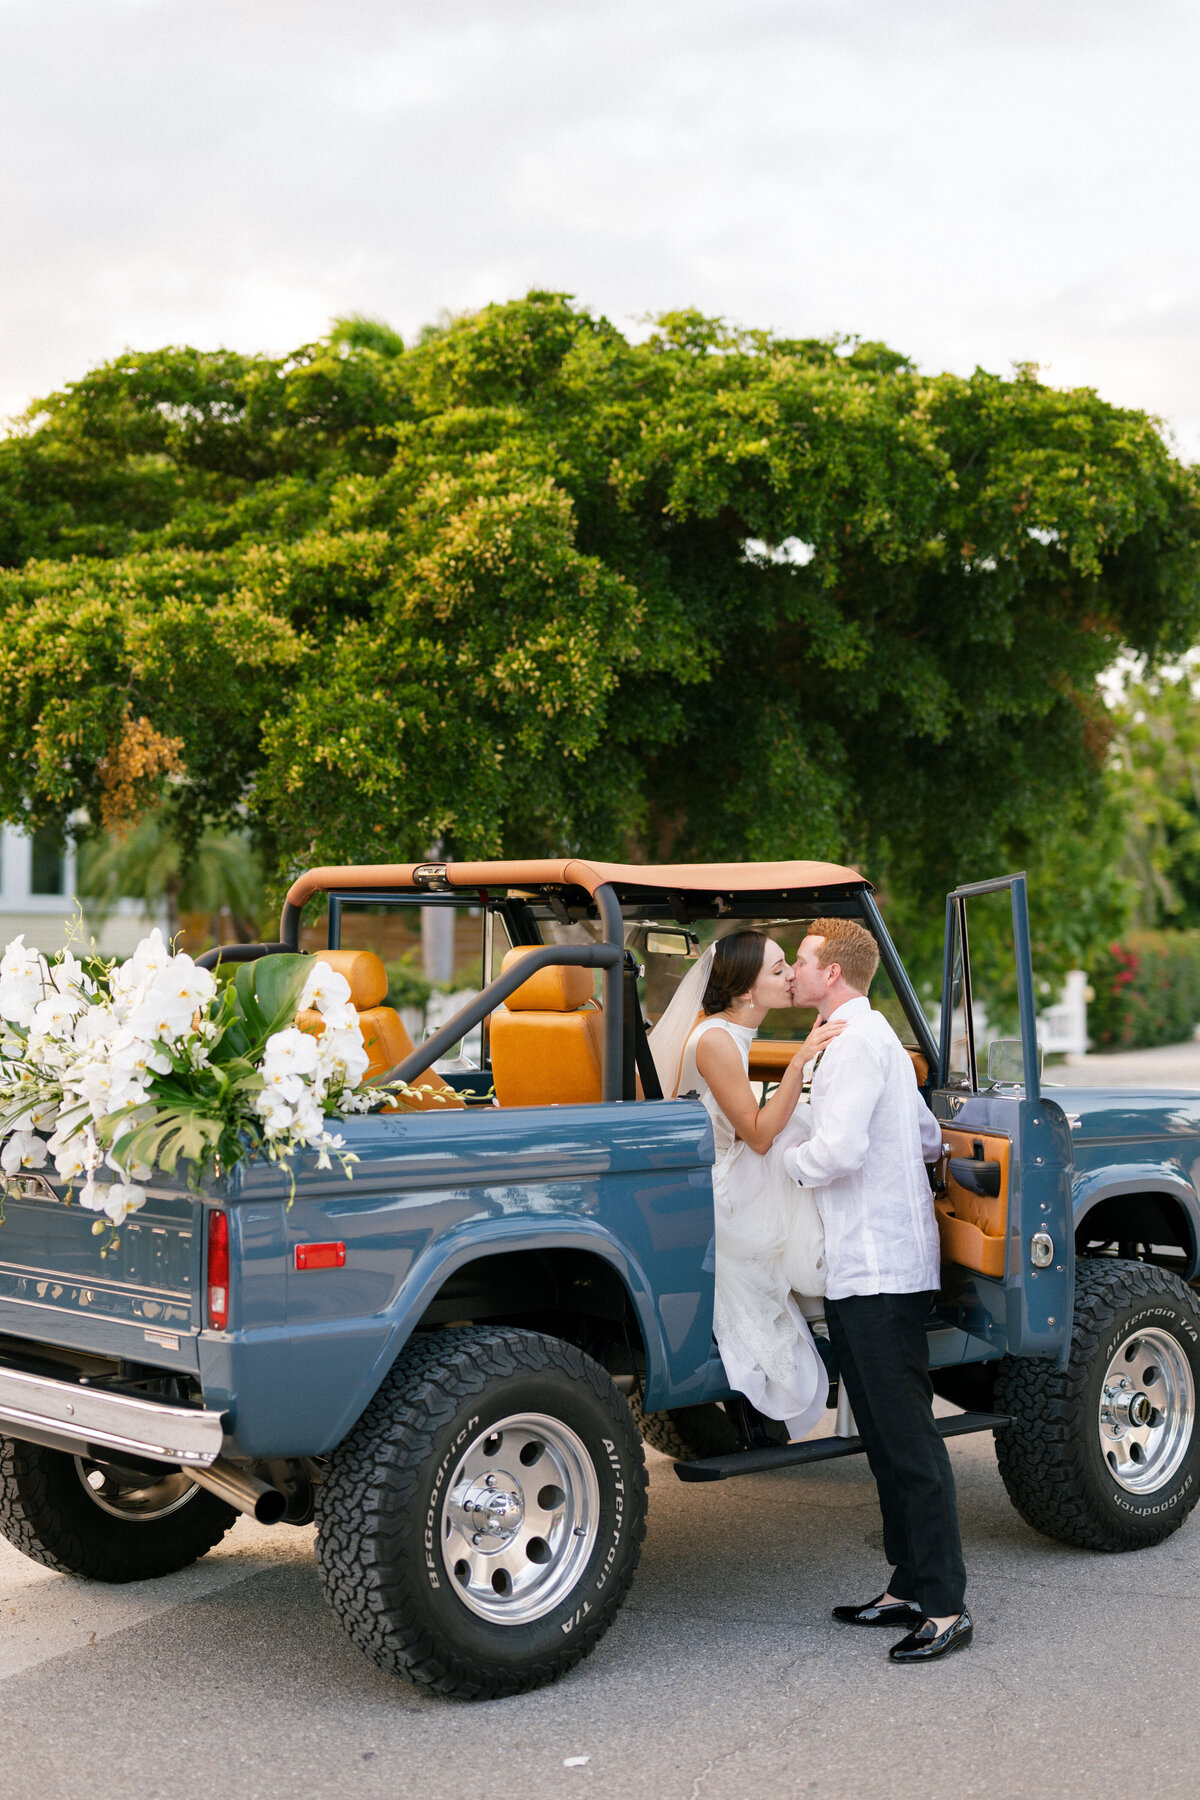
320,1256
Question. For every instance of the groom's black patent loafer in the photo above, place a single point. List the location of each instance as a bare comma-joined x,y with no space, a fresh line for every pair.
897,1612
926,1645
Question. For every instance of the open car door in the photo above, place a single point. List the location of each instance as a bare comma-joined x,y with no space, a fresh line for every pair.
1004,1200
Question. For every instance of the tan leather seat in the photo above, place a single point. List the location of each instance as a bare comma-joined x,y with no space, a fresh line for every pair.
384,1034
547,1041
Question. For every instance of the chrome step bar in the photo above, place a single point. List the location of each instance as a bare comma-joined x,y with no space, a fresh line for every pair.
66,1415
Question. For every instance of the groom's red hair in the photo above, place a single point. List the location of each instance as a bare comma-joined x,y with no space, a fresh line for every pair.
849,945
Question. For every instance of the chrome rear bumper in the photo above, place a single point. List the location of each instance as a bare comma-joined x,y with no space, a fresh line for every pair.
67,1416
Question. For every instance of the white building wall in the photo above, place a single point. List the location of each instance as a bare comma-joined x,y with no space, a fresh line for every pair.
47,921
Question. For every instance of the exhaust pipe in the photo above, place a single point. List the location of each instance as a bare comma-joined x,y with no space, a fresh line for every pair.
236,1488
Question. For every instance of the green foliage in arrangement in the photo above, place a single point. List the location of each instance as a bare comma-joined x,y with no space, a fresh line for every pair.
527,586
1147,991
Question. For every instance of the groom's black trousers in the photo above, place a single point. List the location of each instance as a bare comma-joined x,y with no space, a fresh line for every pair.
883,1358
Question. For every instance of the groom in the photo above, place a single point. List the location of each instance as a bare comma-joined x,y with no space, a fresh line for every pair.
872,1137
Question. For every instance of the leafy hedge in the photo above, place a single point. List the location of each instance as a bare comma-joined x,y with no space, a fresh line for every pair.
1147,991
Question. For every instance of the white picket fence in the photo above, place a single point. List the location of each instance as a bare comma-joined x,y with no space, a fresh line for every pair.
1062,1028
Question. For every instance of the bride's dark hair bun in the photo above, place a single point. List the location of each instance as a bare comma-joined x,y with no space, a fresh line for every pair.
737,964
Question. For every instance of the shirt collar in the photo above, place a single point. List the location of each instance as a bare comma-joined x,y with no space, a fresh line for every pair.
850,1009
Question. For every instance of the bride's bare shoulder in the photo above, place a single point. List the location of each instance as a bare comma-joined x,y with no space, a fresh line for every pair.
715,1048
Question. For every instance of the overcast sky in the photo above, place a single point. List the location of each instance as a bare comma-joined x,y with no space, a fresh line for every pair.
976,181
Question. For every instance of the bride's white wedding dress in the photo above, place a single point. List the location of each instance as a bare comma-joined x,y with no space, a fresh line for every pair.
764,1340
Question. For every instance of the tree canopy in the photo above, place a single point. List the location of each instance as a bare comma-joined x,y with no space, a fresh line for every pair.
527,585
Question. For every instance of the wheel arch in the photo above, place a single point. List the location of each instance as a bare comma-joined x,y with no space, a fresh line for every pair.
522,1275
1157,1207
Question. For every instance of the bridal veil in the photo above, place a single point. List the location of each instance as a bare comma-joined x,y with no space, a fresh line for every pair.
669,1037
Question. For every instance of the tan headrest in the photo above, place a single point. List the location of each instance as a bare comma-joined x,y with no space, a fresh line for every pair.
363,970
555,989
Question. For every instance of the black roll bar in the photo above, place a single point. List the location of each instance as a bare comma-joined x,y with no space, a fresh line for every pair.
548,956
897,974
619,1080
237,953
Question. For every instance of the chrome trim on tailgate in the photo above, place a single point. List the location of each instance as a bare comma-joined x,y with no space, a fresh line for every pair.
37,1406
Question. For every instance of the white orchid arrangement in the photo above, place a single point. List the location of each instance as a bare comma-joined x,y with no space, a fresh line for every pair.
113,1071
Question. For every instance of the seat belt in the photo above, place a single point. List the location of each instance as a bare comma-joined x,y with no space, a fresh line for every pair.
651,1085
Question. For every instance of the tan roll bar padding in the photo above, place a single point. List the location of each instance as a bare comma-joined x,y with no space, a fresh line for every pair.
725,878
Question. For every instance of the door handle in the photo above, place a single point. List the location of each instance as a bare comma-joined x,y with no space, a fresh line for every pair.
977,1176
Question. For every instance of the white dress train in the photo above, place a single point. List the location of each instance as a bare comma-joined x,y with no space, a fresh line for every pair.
761,1332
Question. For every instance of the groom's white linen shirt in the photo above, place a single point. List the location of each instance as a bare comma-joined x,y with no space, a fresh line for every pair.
872,1135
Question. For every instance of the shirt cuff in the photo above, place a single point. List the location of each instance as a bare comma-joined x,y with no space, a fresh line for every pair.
791,1164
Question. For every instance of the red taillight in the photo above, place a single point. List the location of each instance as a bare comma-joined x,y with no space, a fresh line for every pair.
218,1271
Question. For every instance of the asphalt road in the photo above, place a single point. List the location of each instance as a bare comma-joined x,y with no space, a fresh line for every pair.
1170,1066
722,1679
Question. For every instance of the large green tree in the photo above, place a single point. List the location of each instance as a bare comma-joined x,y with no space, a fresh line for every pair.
527,585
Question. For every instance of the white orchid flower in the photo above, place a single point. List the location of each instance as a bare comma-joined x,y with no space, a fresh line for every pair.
120,1201
160,1014
309,1118
70,1160
56,1014
23,981
324,988
150,960
95,1024
135,1056
292,1052
285,1085
23,1150
68,977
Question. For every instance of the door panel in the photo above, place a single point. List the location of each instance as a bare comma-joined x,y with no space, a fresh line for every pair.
972,1208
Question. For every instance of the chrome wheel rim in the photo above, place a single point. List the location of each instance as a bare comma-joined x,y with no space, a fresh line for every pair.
1147,1411
153,1499
520,1519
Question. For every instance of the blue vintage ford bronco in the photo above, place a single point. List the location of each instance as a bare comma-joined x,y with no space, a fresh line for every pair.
451,1360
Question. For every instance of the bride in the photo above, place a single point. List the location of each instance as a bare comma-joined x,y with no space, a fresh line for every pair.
702,1045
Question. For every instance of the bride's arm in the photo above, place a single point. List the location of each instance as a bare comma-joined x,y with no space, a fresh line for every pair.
720,1064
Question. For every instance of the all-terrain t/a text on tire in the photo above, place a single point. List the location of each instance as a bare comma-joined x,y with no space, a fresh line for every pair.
481,1524
1105,1454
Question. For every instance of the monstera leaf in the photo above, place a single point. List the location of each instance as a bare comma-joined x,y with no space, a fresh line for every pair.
267,994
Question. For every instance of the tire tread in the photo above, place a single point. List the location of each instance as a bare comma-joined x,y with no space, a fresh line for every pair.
377,1473
37,1523
1042,1454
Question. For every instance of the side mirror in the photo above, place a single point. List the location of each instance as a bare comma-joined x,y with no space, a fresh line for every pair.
672,943
1006,1063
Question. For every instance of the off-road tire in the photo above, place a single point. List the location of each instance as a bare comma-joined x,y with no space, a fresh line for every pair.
385,1509
47,1512
1051,1457
687,1433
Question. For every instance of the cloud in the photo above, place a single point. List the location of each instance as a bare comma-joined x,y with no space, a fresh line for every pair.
973,182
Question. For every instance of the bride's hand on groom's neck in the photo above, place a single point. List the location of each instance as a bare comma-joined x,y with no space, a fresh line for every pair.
818,1039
